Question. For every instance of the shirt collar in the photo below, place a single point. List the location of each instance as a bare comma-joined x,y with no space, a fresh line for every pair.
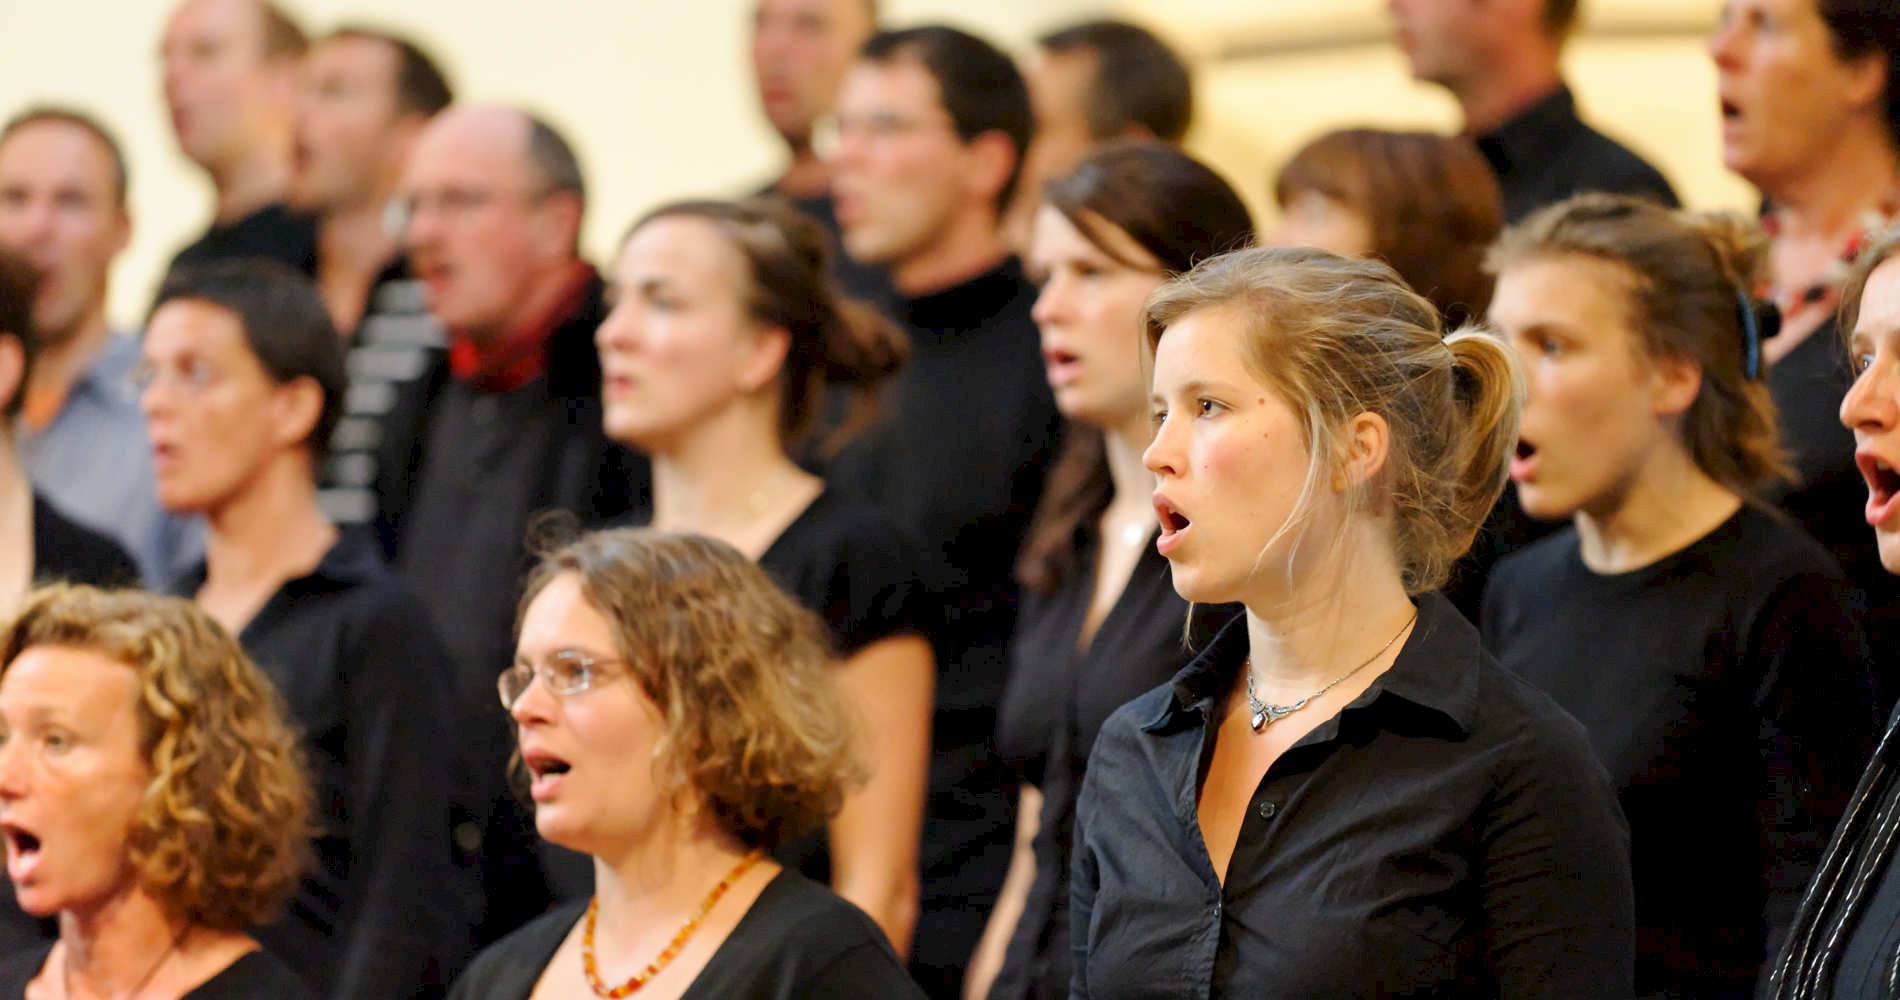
1532,132
353,559
1436,670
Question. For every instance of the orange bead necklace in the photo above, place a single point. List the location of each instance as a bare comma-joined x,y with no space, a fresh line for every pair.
667,954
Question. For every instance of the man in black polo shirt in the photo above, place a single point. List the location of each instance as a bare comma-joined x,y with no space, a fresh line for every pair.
367,96
230,73
932,124
495,200
1500,61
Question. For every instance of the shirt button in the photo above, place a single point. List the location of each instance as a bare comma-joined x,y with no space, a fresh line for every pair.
1266,810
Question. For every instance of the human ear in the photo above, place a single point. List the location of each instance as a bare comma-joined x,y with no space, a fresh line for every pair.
1367,440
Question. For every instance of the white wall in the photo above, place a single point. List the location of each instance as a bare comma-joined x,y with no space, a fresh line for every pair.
655,95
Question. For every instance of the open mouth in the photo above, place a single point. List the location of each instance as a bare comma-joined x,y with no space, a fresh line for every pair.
23,851
544,765
1883,483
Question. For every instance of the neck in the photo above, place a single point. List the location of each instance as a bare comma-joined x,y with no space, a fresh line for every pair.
1506,88
112,947
353,247
661,878
258,178
806,176
1352,601
718,479
1826,200
273,532
60,365
1132,484
1667,507
971,246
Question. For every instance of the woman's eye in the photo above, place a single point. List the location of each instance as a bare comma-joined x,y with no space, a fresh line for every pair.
55,741
1159,417
1862,362
1207,406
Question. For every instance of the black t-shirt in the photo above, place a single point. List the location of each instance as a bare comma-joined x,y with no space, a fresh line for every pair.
67,551
350,649
256,976
273,232
848,562
957,460
1056,701
1447,834
798,940
1726,690
1546,154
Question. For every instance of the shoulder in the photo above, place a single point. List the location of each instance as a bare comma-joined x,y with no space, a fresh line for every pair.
257,974
841,529
1531,570
799,939
63,549
1121,740
1535,746
510,967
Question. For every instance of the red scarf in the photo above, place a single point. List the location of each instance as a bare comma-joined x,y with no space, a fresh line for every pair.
520,356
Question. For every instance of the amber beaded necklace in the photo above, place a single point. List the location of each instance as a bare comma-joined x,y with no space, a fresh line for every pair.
672,949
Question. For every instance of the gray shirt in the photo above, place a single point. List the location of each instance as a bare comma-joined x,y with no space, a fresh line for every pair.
95,462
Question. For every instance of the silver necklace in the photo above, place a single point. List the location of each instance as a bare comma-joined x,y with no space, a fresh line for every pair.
1266,713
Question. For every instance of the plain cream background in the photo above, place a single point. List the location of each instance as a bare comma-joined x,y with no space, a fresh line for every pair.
657,98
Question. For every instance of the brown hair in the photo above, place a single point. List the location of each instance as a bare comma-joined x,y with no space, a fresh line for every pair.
1431,200
1689,282
835,340
754,730
1881,248
1335,338
222,832
55,114
1179,211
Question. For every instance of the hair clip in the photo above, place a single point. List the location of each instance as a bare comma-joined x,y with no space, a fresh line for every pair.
1760,320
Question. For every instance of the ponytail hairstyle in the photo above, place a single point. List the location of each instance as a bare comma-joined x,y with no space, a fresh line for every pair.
1178,210
1335,338
834,340
1689,297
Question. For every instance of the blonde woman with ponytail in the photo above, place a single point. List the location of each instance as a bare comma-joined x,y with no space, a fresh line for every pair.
724,344
1710,647
1343,796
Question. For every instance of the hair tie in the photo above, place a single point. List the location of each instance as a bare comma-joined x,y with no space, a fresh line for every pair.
1760,320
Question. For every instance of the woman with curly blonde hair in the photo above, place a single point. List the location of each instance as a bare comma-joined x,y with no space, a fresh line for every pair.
151,796
677,720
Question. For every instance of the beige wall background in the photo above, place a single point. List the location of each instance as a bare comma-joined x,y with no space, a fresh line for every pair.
656,96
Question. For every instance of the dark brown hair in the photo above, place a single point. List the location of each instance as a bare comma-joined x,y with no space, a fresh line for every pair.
1689,277
1431,200
1178,210
1138,81
19,283
835,340
421,86
1880,249
1862,28
754,730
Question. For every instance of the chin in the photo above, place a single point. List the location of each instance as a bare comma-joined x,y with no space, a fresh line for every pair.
1889,543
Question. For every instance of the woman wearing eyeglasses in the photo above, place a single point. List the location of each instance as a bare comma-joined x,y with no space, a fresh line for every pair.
677,721
242,377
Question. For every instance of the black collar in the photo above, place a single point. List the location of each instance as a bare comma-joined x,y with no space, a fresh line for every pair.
1532,132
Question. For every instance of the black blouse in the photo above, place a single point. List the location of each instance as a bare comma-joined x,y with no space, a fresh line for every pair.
798,940
1058,696
850,563
1447,834
1725,688
256,976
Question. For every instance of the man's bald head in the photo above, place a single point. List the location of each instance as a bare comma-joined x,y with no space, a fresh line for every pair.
496,198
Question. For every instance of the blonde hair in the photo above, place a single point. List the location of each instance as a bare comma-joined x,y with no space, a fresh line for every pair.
222,832
754,729
1335,338
1690,278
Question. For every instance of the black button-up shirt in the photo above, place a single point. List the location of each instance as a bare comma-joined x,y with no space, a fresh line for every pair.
1546,154
1448,833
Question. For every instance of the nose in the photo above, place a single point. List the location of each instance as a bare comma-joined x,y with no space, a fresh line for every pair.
1871,405
615,332
12,776
535,704
1052,302
1721,40
1163,456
